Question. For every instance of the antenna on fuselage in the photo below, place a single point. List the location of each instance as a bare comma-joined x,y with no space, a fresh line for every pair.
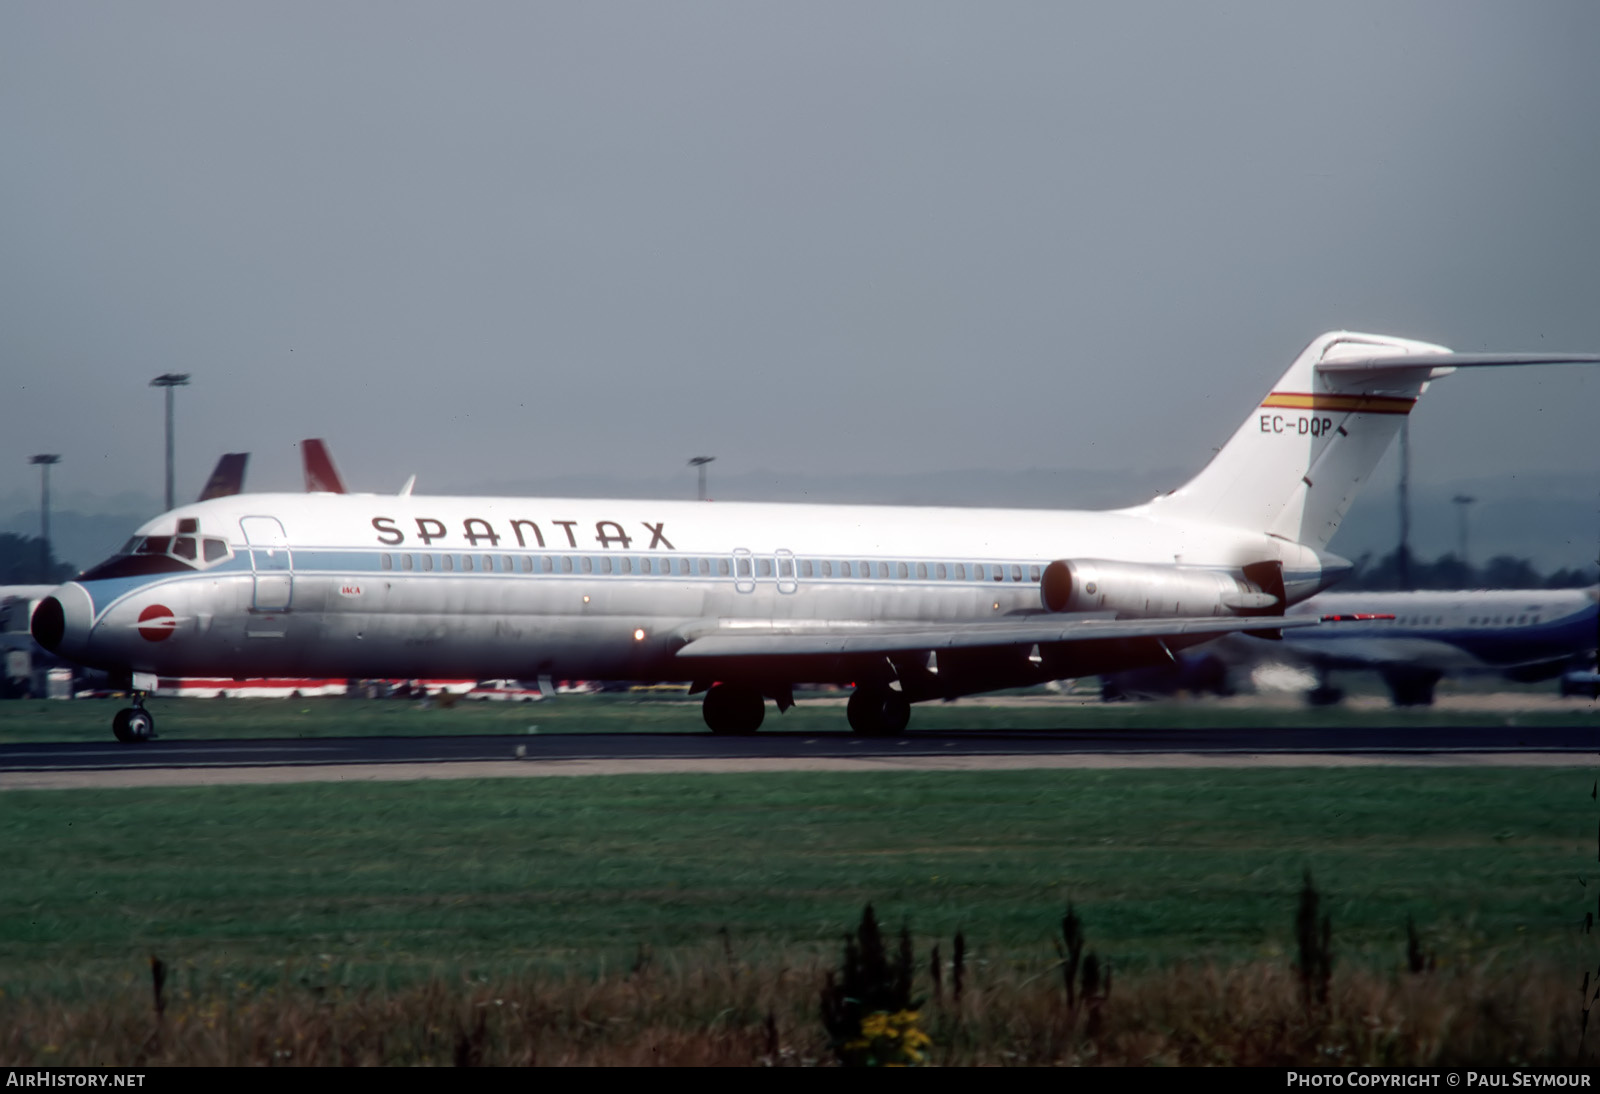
405,491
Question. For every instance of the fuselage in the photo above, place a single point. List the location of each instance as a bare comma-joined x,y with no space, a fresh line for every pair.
371,585
1499,630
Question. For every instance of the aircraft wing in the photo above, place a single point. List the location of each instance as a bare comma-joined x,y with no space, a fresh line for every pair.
789,639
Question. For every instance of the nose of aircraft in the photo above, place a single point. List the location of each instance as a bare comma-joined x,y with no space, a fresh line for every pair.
62,619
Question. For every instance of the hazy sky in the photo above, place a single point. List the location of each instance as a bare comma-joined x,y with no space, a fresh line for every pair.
498,241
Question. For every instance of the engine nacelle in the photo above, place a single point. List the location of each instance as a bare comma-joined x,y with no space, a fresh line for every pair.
1140,590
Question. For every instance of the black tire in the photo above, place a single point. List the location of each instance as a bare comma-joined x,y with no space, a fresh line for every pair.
729,708
1411,689
878,712
133,726
1325,696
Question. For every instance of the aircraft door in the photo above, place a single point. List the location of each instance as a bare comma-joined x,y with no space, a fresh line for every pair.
271,561
744,575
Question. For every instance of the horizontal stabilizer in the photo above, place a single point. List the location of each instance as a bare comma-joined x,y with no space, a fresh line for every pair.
1458,360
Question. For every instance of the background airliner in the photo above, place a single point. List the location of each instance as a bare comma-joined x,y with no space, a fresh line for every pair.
748,600
1411,639
1521,634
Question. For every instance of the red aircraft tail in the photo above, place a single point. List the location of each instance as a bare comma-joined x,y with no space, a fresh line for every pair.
321,478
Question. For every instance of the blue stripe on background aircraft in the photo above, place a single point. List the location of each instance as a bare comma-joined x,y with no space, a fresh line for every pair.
1524,635
1411,639
749,600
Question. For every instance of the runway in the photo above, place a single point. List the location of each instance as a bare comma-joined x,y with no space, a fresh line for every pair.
196,762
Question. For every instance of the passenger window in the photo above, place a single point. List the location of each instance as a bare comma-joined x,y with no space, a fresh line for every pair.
722,567
184,547
427,562
866,570
527,564
786,567
902,570
405,562
939,571
466,562
960,571
922,571
743,565
449,562
386,561
844,570
566,564
547,564
827,568
624,565
605,565
998,572
1033,574
705,567
1016,573
763,567
588,564
805,568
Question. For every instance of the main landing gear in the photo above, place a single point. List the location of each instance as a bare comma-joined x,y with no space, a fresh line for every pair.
874,710
877,711
730,708
134,725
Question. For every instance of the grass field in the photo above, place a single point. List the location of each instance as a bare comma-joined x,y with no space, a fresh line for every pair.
690,919
195,719
389,888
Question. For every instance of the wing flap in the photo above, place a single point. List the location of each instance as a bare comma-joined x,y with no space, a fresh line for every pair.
850,638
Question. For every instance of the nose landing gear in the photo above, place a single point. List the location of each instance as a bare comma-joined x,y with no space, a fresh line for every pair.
134,725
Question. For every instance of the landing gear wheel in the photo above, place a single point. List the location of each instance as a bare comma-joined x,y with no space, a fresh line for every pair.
1411,689
878,712
1325,696
729,708
133,726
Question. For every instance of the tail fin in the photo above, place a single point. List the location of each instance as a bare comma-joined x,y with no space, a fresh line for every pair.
1297,463
320,475
227,478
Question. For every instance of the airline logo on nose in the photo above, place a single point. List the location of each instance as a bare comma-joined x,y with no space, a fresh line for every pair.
156,623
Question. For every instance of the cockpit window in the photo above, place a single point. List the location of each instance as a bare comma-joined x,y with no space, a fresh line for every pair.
160,554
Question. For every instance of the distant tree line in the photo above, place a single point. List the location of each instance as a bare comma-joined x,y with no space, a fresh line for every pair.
22,562
1387,574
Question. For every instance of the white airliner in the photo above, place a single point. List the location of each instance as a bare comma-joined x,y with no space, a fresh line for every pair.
748,600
